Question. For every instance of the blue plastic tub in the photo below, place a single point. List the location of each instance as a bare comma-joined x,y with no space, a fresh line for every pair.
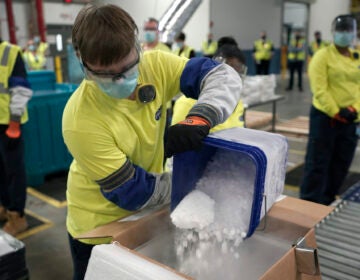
189,167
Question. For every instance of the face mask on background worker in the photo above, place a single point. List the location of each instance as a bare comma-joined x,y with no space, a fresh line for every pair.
31,48
150,36
343,39
36,39
344,30
179,45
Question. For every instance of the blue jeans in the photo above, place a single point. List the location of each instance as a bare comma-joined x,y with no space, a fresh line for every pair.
330,151
12,172
80,253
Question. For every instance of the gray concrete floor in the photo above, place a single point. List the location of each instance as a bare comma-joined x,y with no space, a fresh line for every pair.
47,252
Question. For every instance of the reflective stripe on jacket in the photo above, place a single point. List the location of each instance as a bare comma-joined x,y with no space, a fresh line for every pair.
297,51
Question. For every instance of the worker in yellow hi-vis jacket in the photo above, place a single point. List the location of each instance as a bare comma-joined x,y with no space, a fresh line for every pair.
34,55
296,58
15,93
263,52
334,74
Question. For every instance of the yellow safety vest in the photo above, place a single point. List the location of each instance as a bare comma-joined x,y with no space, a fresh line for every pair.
185,53
34,61
263,50
209,49
301,54
8,55
315,46
41,49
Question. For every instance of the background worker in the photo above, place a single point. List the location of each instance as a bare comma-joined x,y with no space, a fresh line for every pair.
151,42
181,49
233,56
15,92
41,47
226,40
209,46
296,58
113,125
317,44
334,79
152,36
262,53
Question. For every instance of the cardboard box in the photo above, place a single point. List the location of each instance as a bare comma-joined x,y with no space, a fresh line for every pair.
272,248
300,216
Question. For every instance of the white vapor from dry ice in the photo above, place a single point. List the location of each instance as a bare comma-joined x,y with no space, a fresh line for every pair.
213,219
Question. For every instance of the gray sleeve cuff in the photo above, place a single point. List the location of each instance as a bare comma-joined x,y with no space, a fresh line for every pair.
208,112
15,118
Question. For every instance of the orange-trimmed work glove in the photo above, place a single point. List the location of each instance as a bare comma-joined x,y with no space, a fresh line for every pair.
186,135
339,118
13,130
349,114
13,133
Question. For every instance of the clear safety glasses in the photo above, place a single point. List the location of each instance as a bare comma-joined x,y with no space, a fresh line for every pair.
106,77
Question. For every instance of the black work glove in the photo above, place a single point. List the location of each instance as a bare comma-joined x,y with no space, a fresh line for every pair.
186,135
348,113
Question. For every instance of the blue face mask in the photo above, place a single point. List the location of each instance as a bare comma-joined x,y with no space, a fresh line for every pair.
343,39
179,45
120,89
31,48
37,40
150,36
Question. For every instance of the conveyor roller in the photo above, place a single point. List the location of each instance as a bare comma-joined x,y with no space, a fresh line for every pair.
338,239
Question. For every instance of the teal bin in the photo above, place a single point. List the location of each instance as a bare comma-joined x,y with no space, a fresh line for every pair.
42,80
45,151
265,152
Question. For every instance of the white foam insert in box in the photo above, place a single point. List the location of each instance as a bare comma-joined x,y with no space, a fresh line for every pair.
114,262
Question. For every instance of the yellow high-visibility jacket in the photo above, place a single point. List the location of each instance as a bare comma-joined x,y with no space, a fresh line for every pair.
185,53
8,55
263,49
334,80
34,61
209,49
297,52
314,46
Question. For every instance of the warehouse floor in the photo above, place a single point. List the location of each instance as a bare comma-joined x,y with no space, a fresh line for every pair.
47,251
